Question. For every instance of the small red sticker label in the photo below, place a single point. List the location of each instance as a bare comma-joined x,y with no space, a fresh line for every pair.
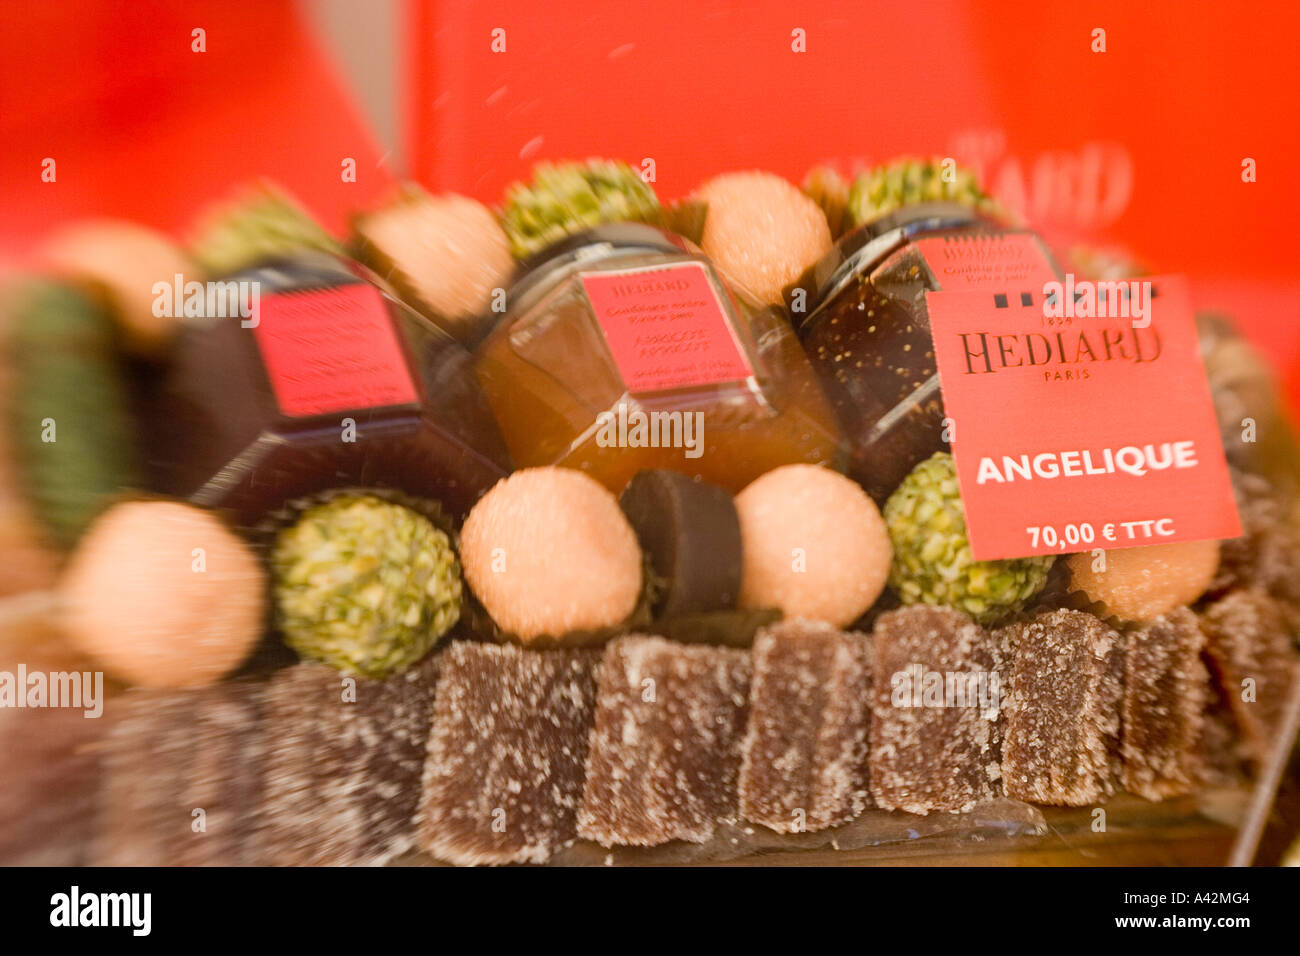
666,327
1080,420
332,350
1012,261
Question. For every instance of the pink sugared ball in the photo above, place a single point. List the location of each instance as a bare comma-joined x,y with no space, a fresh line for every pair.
815,545
548,551
761,231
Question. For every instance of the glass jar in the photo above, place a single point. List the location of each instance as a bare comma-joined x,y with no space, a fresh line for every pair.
330,382
621,349
861,315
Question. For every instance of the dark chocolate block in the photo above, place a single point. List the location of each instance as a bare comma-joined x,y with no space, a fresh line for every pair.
1251,655
503,778
804,756
1163,713
665,751
691,533
1062,708
935,730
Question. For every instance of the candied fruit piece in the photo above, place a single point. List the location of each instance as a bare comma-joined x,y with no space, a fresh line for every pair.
1064,670
804,757
665,751
503,777
1252,658
935,730
344,763
1163,709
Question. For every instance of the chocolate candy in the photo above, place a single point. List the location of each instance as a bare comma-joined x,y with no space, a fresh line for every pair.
665,751
804,757
1165,690
935,734
1251,656
692,535
1062,708
503,777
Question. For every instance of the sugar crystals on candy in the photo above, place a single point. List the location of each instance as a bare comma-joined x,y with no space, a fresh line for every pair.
1163,711
182,778
665,751
804,756
345,757
934,736
1251,655
503,777
1062,708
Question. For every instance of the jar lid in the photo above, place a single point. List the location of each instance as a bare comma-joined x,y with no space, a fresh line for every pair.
539,270
865,247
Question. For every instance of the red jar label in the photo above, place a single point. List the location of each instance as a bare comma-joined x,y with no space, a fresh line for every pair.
1080,421
666,327
1012,261
332,350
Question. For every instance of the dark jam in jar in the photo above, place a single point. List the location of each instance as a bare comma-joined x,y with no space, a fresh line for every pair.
867,331
328,382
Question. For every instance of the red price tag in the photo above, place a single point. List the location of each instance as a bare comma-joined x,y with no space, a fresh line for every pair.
1080,424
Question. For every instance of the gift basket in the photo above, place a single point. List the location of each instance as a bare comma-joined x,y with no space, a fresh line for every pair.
594,527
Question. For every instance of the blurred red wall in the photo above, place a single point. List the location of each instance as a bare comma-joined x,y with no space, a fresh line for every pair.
1140,146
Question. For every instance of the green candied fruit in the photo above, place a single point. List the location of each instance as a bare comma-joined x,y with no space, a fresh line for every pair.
263,223
932,558
905,182
365,585
564,198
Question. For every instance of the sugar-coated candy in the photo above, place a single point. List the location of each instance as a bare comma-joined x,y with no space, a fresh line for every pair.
47,800
935,732
221,778
932,559
1061,705
119,264
1163,711
548,552
804,757
444,254
503,777
181,778
140,552
815,545
344,763
1140,584
1252,658
761,231
665,750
